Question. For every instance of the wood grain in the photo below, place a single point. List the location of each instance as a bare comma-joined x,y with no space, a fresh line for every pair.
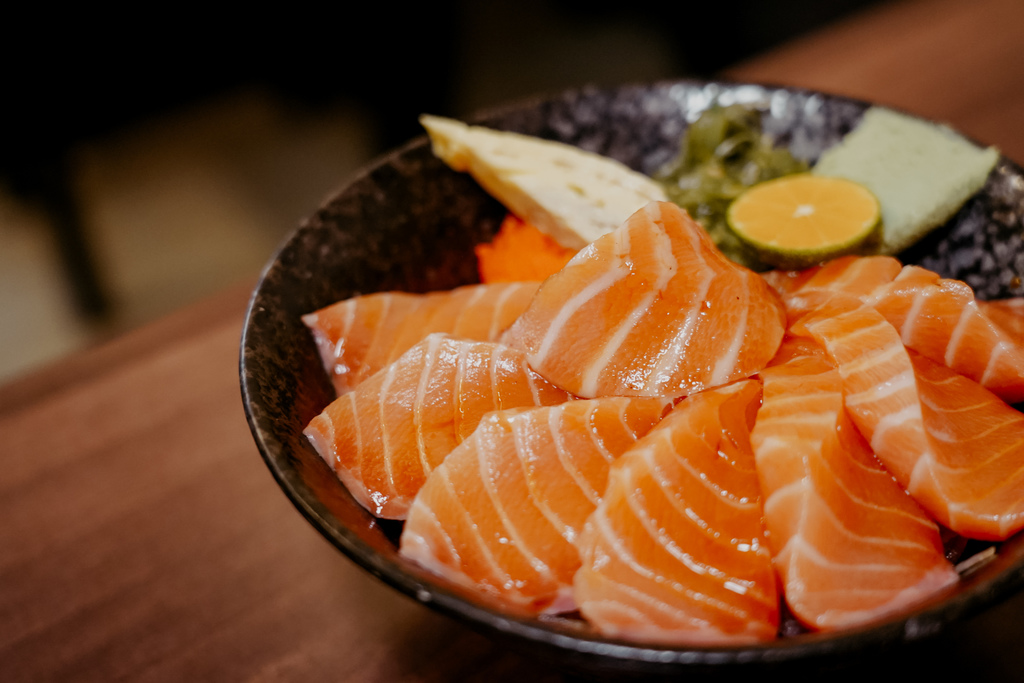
949,60
142,538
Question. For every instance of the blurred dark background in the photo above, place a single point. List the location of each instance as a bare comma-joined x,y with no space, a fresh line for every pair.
110,119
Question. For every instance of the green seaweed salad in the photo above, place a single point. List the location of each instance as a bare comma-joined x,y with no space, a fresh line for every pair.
723,153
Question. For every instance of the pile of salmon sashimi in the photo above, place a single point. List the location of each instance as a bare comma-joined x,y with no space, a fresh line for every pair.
670,445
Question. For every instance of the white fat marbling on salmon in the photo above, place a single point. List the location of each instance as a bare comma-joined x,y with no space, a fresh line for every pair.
612,542
375,340
657,533
660,538
902,383
348,320
469,308
393,429
531,382
355,471
960,335
845,528
727,362
523,451
430,356
922,453
492,374
498,311
937,317
672,357
501,576
898,420
320,433
962,323
855,362
614,611
635,313
913,316
595,436
641,572
385,436
458,411
555,424
416,544
592,373
850,275
529,523
797,421
813,553
571,307
517,539
771,444
665,482
358,336
1001,350
885,541
665,269
923,476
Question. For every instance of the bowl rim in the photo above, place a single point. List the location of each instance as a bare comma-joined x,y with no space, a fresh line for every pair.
921,622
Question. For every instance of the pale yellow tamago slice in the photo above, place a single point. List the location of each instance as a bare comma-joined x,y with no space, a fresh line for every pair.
573,195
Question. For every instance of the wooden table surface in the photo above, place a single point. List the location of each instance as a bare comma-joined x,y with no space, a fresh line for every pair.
142,538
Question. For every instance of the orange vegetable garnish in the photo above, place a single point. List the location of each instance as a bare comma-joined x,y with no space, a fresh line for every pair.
520,252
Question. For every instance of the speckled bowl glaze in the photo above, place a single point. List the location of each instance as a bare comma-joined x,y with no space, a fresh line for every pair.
407,222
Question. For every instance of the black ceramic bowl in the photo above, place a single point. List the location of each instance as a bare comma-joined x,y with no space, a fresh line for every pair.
409,223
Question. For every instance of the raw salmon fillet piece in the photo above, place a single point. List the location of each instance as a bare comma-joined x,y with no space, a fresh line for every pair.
359,336
956,447
857,276
650,309
386,436
940,318
848,543
675,552
936,317
1008,314
503,511
981,440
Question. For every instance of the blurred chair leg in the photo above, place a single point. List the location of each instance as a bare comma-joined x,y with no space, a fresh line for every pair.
54,188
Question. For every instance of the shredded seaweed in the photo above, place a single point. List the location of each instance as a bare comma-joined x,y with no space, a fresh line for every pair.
722,154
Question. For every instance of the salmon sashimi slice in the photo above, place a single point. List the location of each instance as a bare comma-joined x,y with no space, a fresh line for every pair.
937,317
982,441
796,347
650,309
1008,314
940,318
850,546
504,510
359,336
786,282
859,276
675,552
956,447
386,436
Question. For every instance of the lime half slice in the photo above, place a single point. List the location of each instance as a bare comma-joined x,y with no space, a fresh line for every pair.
801,220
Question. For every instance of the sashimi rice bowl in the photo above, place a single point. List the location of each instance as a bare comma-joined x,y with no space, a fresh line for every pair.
645,443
